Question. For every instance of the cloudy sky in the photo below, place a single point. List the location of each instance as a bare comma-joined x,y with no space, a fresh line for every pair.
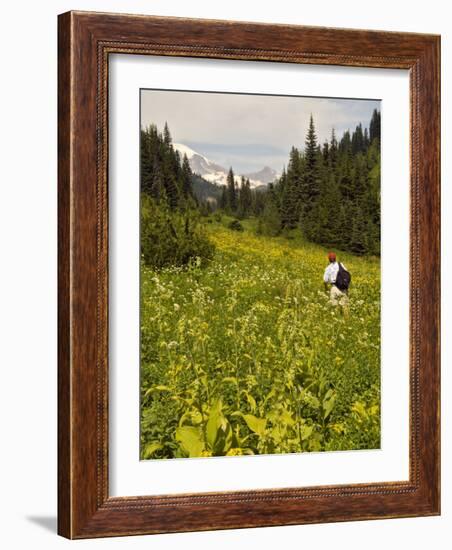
249,132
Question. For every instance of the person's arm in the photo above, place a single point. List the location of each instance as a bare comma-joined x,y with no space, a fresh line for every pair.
326,278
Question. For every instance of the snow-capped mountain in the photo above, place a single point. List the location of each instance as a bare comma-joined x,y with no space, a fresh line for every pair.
266,175
215,173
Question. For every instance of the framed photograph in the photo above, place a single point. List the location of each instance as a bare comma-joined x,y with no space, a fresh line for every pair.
248,275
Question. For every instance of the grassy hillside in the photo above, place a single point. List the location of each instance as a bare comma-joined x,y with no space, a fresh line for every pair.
246,355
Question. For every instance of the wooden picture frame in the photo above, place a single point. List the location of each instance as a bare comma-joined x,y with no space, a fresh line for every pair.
85,42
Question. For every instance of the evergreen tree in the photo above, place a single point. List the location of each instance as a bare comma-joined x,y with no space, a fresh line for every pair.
248,196
167,135
158,189
163,175
244,200
333,189
311,183
291,194
223,198
270,221
187,189
345,167
326,153
172,191
231,192
358,238
366,139
258,202
358,140
375,126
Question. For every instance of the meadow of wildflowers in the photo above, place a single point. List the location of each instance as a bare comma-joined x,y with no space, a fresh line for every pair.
246,355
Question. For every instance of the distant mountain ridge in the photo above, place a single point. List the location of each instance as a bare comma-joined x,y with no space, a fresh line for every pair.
216,174
264,176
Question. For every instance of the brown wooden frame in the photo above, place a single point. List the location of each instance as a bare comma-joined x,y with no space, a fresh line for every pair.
85,41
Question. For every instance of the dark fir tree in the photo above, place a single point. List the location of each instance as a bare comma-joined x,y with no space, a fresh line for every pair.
171,229
358,140
258,202
186,176
245,199
164,176
231,192
223,204
311,165
375,126
334,189
310,183
270,221
291,192
167,135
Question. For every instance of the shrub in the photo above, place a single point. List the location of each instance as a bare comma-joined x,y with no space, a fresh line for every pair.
171,237
235,225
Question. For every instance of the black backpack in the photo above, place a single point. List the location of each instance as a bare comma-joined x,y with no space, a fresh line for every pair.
343,278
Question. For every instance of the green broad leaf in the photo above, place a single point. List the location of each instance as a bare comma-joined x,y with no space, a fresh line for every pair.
213,427
251,400
327,395
273,416
277,434
359,408
286,418
190,439
328,403
306,432
314,445
271,394
193,418
204,381
224,440
314,402
255,424
151,448
218,430
155,389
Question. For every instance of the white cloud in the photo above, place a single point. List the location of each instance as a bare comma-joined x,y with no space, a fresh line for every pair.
236,120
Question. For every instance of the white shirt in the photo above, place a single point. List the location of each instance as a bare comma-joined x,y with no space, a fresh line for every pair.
331,272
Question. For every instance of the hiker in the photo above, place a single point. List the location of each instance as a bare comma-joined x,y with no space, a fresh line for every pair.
339,278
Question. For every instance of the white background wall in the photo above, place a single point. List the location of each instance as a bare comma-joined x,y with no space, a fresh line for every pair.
28,122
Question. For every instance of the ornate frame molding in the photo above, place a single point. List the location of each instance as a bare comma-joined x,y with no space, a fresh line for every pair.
85,42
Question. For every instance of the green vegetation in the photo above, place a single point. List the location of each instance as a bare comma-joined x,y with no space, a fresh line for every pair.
241,352
235,225
171,232
172,237
246,355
